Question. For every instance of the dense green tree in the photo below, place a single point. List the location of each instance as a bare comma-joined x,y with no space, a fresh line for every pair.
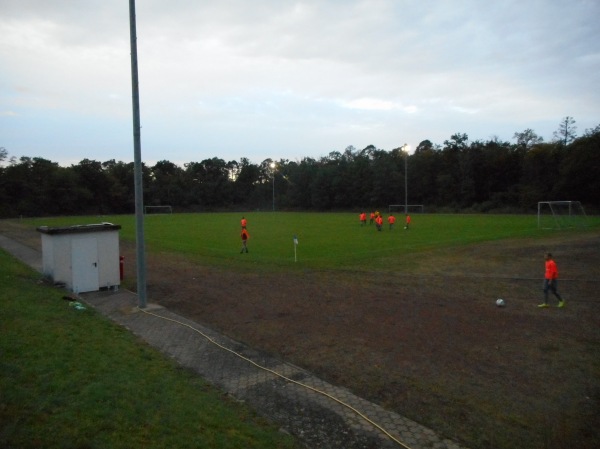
65,185
212,187
246,179
27,183
341,182
4,199
566,132
362,176
499,174
539,175
388,178
423,170
424,146
122,189
96,184
527,139
591,132
320,189
482,176
449,180
300,179
579,171
167,186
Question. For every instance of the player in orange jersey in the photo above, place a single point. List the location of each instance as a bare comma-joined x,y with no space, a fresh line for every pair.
551,281
391,221
245,237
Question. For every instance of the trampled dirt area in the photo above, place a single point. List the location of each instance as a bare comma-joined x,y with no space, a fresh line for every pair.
429,343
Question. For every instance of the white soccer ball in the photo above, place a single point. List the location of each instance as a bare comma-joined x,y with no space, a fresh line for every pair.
500,302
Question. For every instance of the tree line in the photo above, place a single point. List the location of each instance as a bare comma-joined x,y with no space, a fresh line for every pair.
460,175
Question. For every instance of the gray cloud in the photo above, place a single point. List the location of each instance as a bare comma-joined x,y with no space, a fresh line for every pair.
295,78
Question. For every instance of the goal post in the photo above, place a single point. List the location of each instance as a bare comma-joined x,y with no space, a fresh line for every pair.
158,210
561,215
418,208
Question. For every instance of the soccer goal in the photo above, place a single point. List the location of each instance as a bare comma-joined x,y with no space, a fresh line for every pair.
158,210
561,214
415,208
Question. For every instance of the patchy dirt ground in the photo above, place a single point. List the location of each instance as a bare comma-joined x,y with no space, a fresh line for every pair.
429,343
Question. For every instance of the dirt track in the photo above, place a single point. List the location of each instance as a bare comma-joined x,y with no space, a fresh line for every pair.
430,343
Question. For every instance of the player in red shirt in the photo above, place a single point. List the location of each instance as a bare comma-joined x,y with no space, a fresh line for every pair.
379,222
363,219
391,221
245,237
407,221
551,281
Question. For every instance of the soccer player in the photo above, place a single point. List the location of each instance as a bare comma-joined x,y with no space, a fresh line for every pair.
551,281
244,222
245,237
391,221
363,218
407,221
379,222
372,218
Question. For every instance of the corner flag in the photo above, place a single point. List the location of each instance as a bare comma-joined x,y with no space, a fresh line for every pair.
295,245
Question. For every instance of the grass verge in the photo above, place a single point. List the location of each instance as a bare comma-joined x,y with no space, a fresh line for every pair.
71,379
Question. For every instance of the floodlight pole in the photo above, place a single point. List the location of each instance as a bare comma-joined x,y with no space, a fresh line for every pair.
273,171
137,162
405,179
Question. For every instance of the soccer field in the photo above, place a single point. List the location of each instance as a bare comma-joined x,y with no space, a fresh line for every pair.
325,240
406,319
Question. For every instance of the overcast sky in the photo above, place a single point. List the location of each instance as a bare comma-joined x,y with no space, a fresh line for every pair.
290,79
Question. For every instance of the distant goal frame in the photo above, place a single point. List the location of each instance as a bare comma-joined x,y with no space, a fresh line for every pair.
418,208
156,210
561,215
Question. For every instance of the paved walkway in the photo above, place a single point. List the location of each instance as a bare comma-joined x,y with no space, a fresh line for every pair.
319,414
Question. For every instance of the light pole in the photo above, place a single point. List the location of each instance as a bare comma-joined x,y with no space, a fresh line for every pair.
404,148
137,162
273,171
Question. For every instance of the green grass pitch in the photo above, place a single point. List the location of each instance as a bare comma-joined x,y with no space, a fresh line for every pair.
326,240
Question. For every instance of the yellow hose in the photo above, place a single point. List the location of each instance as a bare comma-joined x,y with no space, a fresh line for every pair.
374,424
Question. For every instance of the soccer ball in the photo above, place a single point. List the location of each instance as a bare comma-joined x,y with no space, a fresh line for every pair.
500,302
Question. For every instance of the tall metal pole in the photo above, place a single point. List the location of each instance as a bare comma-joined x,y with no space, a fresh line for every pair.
137,162
405,179
273,171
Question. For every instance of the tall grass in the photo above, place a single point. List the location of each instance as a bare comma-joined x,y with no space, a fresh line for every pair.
71,379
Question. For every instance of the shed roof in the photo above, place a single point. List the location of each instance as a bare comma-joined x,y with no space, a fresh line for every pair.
79,229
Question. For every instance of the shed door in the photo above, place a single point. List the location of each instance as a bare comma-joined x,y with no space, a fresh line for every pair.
84,260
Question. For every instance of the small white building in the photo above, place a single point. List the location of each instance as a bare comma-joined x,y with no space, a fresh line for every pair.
83,257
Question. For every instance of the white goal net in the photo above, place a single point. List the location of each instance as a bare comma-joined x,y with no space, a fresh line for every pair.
158,210
561,214
413,208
